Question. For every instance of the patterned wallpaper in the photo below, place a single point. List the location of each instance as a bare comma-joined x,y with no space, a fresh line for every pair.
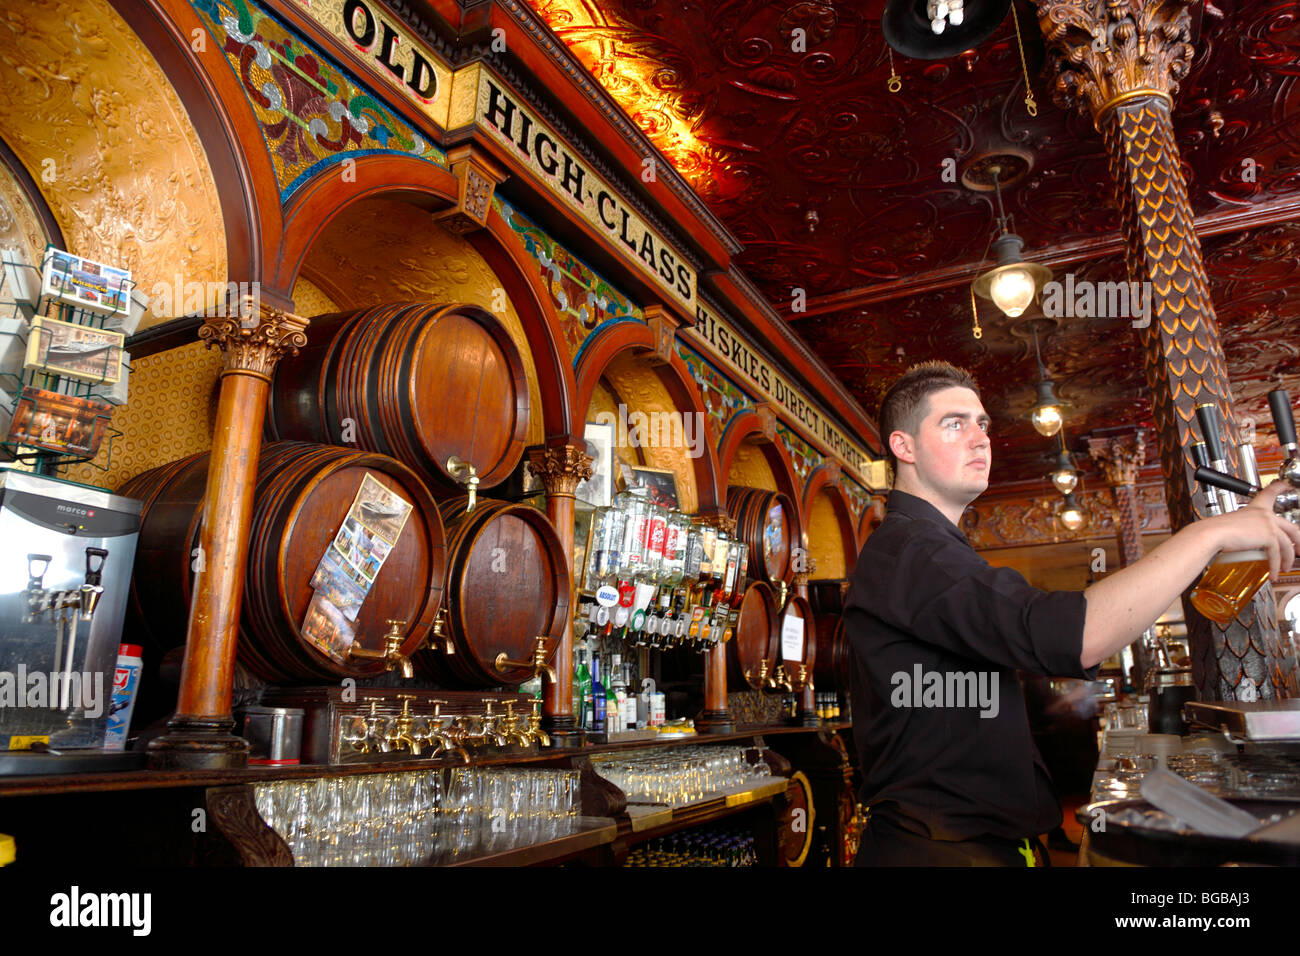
313,114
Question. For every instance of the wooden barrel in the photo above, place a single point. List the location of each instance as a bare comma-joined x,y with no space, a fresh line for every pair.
507,582
834,663
302,502
798,608
768,523
757,637
827,595
415,381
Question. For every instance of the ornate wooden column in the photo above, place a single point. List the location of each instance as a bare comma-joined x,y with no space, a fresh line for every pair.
1121,61
716,718
560,468
1120,457
252,342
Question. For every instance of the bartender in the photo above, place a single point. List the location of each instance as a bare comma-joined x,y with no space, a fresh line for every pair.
952,777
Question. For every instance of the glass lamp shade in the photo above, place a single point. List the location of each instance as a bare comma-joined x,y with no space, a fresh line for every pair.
1063,476
1012,290
1046,413
1071,517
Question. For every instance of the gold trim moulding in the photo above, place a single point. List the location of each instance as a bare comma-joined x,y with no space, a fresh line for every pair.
1122,98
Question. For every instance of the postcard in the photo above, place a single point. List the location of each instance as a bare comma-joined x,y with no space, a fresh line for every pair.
85,283
77,351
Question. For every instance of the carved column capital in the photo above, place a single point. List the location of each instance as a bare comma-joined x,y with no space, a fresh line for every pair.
254,339
1120,456
720,520
560,467
1106,52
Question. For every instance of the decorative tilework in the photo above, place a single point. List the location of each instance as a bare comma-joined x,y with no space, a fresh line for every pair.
312,113
584,300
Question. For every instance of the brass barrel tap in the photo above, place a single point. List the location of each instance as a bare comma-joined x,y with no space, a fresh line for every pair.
399,737
780,680
763,680
466,474
509,725
804,682
374,739
535,663
391,655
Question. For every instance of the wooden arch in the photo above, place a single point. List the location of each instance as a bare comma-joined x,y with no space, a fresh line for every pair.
631,336
825,480
748,426
325,195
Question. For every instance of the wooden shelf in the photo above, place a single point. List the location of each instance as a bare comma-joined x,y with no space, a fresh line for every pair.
155,779
591,832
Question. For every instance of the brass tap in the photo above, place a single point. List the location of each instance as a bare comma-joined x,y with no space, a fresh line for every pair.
780,680
374,736
439,622
763,680
535,724
400,736
486,733
392,654
450,737
535,663
804,682
466,474
509,725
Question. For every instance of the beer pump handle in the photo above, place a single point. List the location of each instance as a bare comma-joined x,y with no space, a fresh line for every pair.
94,569
1208,416
1279,403
1218,479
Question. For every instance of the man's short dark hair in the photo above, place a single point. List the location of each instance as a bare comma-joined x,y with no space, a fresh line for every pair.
904,404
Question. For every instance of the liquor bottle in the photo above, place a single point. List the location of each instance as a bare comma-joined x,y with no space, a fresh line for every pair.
628,719
597,696
617,693
606,544
582,681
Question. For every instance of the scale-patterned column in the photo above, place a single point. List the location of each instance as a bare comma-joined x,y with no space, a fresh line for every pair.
1121,60
1120,457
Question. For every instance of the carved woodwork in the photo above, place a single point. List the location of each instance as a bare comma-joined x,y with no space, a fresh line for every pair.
1122,63
561,468
1120,458
232,812
663,326
478,178
198,734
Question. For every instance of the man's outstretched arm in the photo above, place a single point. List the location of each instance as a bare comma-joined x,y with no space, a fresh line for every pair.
1123,605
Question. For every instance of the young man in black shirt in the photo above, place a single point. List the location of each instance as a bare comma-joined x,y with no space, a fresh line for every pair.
952,777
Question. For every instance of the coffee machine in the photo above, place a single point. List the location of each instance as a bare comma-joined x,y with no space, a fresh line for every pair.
66,555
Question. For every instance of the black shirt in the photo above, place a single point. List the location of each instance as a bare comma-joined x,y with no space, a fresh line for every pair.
939,716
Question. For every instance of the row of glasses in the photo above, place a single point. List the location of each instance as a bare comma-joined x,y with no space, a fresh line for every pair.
494,808
390,819
683,775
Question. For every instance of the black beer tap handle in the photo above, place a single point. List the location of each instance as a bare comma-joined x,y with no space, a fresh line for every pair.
1208,476
1279,403
1199,454
1208,415
95,568
37,578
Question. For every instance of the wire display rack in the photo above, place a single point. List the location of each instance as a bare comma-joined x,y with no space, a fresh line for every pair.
62,366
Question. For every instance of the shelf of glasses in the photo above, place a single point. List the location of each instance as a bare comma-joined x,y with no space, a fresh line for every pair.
648,816
529,849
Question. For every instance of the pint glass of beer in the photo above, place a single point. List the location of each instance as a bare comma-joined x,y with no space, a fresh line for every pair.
1229,583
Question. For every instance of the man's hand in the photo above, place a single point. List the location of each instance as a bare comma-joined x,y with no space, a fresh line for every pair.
1257,527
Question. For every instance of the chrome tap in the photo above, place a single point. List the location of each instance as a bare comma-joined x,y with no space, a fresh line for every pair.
38,599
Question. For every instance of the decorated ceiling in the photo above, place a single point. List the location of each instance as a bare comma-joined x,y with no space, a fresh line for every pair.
857,230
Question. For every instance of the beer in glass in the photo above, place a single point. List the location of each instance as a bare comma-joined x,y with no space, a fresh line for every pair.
1229,583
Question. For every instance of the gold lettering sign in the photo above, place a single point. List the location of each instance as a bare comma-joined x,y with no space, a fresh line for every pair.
388,50
722,343
501,113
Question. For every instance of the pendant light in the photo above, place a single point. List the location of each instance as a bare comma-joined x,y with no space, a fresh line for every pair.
1012,283
1046,413
1070,516
1064,476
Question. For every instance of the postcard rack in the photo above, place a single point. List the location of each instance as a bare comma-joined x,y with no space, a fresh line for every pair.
63,409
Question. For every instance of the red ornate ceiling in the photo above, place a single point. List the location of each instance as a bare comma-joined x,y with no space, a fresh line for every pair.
836,187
